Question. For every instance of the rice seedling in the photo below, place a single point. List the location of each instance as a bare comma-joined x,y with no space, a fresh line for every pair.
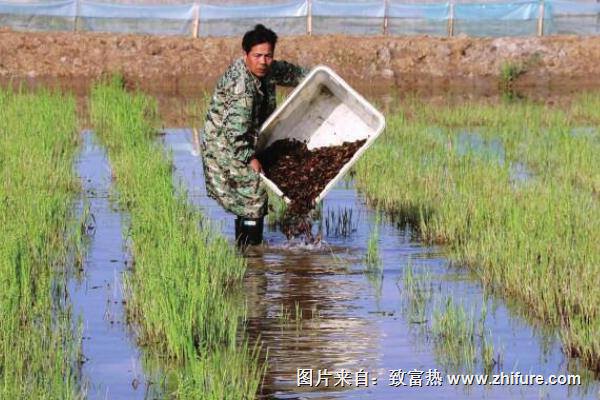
372,259
509,73
486,346
340,223
286,318
535,242
284,315
39,345
454,333
183,272
417,292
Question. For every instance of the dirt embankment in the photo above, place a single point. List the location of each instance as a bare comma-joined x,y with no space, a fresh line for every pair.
185,65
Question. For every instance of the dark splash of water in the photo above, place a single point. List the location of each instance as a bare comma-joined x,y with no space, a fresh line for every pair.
300,226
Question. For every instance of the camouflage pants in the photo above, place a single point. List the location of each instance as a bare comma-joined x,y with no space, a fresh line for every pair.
236,187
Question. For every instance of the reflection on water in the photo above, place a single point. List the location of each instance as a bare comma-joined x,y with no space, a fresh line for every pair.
313,307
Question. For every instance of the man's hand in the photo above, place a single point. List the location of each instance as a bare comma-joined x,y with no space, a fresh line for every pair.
255,165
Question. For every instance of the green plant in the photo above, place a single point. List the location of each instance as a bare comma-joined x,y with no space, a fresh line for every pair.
180,290
372,260
509,73
535,242
417,292
40,241
454,332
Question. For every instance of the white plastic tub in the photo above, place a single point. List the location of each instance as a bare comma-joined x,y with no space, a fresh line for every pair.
323,110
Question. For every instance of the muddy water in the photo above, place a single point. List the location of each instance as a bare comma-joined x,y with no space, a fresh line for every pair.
112,368
319,308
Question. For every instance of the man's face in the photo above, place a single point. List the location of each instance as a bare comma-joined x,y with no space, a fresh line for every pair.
259,59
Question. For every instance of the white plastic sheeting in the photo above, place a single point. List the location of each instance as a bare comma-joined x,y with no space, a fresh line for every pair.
354,17
519,18
287,18
294,9
89,9
521,10
374,9
418,19
47,16
128,18
572,17
58,8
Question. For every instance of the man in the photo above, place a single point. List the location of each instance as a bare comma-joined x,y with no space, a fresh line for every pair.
243,99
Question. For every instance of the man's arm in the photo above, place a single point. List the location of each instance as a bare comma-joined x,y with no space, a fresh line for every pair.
238,126
287,74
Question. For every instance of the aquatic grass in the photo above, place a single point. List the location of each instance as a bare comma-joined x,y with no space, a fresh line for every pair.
535,242
586,109
417,292
372,259
454,336
486,345
509,72
180,292
39,345
340,223
458,337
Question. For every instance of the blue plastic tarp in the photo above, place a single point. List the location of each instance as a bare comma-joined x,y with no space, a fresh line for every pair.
55,8
563,7
90,9
339,10
293,9
432,12
523,10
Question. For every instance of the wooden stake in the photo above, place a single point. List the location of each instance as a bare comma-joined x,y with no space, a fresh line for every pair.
309,18
451,20
540,25
385,18
76,20
196,21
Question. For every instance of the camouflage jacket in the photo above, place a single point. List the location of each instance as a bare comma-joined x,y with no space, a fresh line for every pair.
240,104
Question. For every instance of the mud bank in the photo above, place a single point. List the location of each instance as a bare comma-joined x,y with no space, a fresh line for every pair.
185,65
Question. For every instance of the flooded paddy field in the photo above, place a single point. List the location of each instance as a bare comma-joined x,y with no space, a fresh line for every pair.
396,299
323,308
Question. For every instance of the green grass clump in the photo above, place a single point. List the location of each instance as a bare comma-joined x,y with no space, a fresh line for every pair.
457,338
535,240
454,332
417,291
39,349
372,259
183,270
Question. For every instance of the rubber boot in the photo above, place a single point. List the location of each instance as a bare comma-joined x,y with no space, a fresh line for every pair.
248,231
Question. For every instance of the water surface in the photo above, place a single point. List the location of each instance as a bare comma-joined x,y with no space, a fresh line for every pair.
111,368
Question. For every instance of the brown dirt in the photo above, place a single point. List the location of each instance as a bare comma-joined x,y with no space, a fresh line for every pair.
184,66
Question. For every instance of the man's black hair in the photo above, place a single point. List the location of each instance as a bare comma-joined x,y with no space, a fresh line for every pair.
258,35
